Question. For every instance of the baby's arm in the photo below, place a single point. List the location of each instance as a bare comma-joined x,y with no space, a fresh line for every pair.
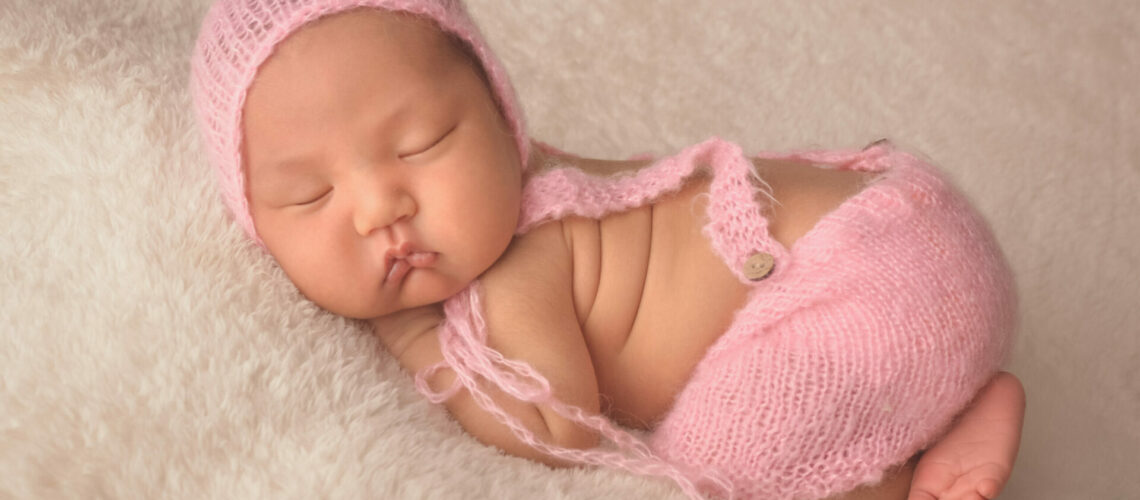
529,311
974,459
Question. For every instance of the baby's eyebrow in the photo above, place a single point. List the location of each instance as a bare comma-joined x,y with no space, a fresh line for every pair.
290,165
281,175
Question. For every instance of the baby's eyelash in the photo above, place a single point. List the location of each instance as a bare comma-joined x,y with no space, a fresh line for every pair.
314,200
432,145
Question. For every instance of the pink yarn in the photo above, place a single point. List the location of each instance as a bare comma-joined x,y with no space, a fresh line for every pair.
870,334
237,36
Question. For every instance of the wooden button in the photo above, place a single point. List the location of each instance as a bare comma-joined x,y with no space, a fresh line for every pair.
758,266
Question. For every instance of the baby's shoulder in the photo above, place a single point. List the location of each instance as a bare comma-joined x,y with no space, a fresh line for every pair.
529,290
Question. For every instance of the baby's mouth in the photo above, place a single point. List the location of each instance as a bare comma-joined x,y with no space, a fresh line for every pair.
402,260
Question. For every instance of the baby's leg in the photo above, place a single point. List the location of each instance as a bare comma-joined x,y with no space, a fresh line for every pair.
975,458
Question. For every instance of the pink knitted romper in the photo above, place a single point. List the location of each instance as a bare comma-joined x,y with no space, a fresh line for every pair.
855,352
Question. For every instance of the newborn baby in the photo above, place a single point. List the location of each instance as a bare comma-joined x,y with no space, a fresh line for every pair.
782,326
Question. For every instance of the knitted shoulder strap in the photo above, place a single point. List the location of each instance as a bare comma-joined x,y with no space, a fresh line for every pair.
563,192
567,191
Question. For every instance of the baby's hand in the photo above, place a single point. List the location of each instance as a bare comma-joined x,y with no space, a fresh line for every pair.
957,478
974,460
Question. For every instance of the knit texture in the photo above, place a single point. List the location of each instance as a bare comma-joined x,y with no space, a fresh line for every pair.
237,36
871,333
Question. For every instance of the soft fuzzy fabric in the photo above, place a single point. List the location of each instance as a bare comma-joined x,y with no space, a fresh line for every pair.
148,350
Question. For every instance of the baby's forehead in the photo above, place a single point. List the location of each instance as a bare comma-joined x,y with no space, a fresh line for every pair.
416,38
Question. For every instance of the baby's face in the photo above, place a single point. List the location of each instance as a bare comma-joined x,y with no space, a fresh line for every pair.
380,173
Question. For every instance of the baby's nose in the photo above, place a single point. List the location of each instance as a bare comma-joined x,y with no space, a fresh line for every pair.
380,210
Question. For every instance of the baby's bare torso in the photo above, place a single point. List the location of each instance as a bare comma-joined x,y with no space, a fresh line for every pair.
651,297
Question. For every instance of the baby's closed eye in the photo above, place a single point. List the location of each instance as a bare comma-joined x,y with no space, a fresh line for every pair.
437,139
313,197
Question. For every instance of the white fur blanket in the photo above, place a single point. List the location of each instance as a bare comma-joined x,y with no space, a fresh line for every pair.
147,350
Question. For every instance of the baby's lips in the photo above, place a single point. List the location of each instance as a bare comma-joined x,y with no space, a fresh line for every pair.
422,259
400,266
396,272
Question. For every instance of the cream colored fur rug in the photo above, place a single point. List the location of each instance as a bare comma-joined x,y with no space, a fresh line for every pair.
147,350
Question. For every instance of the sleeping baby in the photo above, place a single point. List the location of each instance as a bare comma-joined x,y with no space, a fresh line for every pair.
792,325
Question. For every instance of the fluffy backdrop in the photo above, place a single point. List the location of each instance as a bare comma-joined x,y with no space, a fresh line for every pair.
148,351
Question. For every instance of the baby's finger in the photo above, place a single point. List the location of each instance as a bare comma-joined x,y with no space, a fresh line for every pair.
989,489
930,481
969,490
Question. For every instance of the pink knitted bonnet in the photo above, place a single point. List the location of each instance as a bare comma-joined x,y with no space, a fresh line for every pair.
237,36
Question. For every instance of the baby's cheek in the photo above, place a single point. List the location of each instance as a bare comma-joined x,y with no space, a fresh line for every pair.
301,249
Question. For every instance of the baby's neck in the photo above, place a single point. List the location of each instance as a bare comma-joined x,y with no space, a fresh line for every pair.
397,330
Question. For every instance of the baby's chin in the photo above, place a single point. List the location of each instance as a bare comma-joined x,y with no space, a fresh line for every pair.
423,287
